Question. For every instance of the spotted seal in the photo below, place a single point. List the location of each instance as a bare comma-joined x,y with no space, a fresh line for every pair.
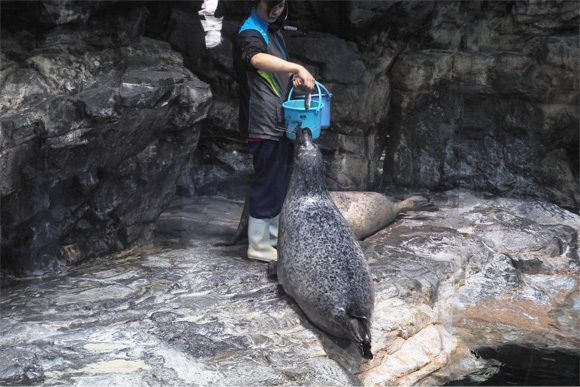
368,212
320,262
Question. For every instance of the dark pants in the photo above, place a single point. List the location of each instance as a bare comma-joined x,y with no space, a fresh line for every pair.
273,166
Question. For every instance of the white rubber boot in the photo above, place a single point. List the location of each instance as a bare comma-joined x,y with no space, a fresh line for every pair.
259,247
274,225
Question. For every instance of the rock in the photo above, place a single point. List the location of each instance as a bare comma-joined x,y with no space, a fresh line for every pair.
342,63
514,269
94,139
185,32
436,95
184,310
43,15
557,173
21,367
426,95
460,122
478,86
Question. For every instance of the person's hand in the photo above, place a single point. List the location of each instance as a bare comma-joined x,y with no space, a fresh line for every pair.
304,79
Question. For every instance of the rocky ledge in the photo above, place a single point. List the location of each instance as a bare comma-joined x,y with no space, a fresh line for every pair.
477,273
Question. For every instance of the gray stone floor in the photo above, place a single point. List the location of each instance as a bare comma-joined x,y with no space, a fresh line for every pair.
185,311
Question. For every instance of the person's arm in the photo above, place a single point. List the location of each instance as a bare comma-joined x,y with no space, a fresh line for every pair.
267,62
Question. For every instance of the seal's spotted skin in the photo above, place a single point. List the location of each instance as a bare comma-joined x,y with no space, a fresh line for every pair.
320,262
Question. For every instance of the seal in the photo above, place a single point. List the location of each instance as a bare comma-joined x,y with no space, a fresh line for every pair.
369,212
366,212
320,262
242,230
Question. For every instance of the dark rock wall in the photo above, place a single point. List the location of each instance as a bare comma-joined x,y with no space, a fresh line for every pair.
97,125
101,111
435,94
357,78
489,101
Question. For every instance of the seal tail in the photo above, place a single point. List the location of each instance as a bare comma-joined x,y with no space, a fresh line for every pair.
242,231
417,203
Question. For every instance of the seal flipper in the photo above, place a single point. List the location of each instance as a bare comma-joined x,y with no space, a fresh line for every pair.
417,203
242,231
366,350
272,270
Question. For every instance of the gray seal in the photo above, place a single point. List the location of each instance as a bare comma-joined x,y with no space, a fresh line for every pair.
366,212
320,262
369,212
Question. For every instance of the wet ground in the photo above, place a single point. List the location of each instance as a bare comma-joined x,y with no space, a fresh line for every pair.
186,311
522,366
181,312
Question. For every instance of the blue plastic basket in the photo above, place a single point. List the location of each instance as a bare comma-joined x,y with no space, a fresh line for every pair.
325,120
295,113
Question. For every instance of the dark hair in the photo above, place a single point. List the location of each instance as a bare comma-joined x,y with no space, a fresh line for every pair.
271,3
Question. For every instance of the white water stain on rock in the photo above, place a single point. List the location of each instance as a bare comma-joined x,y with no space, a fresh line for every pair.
114,367
104,347
96,294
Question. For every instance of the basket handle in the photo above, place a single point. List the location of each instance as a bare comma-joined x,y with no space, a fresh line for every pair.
318,84
324,87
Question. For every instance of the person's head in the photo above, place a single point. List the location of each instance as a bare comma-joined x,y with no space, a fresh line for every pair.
269,10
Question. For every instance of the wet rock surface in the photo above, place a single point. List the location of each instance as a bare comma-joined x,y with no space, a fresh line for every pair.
186,311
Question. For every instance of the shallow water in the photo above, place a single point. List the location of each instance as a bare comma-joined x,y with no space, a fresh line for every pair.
522,366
